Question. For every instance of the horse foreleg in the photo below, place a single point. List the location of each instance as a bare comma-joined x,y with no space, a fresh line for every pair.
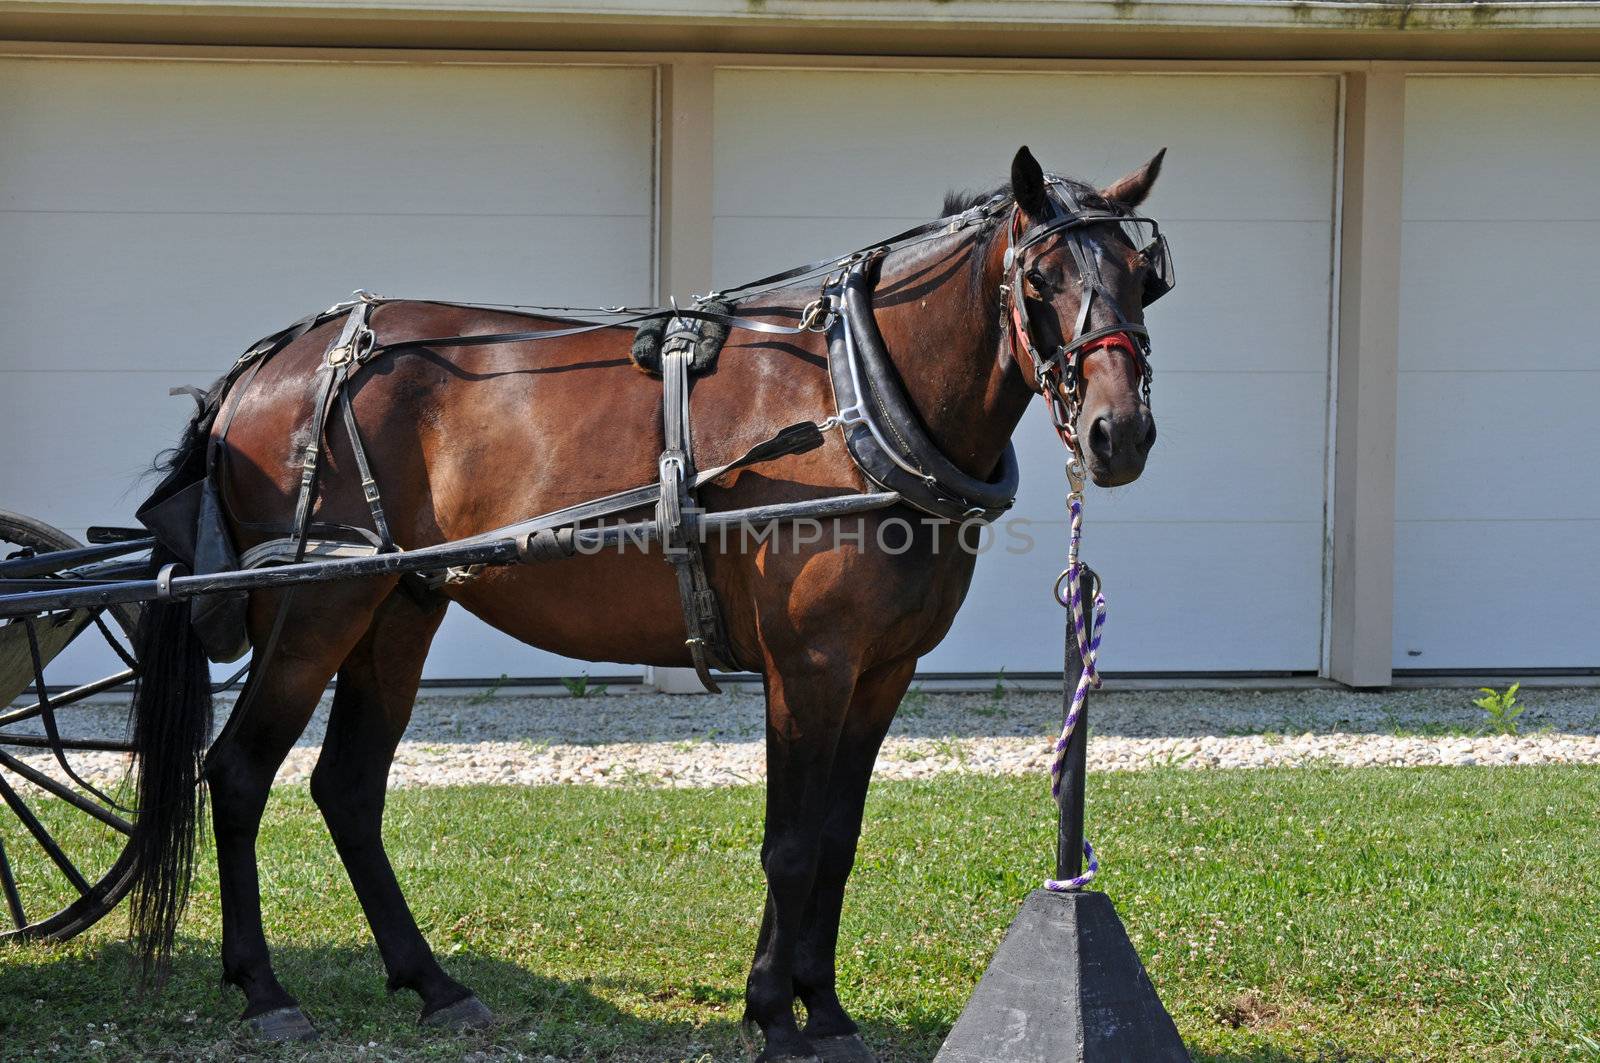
829,1028
270,715
371,706
807,699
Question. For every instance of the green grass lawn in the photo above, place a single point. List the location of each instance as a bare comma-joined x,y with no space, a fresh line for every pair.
1291,915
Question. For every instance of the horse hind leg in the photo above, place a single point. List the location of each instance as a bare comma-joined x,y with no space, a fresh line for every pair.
269,716
371,707
829,1028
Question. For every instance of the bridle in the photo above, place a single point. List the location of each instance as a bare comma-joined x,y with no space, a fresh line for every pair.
1059,376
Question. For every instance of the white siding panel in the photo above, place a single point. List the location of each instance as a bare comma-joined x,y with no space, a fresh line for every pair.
885,144
324,138
1463,602
1491,445
1522,276
1498,486
1228,519
151,308
156,217
1501,148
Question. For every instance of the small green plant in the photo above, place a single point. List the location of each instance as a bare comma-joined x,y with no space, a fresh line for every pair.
1501,709
582,688
915,702
488,692
997,696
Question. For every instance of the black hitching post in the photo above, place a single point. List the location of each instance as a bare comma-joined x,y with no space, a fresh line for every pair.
1066,985
1069,831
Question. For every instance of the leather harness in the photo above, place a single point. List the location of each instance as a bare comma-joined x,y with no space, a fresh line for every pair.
881,429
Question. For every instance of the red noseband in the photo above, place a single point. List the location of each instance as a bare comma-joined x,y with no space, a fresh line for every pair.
1120,340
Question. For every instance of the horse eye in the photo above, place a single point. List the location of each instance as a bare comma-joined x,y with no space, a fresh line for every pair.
1036,278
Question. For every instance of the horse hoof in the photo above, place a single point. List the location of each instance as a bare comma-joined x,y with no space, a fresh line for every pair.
283,1024
843,1048
468,1013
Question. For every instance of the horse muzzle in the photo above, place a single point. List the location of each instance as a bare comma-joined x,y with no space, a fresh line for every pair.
1116,443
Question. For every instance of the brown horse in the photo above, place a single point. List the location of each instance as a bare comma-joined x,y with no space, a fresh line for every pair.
469,439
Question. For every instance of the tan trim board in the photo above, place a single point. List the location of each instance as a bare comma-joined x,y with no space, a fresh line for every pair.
687,129
1361,612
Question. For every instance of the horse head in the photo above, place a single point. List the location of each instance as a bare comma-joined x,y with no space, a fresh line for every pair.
1081,267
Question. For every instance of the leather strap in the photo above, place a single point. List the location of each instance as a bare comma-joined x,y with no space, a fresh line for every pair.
528,336
707,640
344,352
369,486
795,439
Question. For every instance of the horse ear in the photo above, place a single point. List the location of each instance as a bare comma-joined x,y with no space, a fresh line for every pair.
1027,183
1134,188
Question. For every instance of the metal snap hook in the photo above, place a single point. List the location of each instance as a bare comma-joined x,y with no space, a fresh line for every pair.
1075,474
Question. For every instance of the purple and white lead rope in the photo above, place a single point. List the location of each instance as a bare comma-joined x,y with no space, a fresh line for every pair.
1086,628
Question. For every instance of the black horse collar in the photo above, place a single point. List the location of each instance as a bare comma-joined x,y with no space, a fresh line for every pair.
884,435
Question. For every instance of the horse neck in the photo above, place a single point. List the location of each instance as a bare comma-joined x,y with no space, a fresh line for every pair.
939,315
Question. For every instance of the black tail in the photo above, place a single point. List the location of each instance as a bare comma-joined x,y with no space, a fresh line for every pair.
171,722
171,719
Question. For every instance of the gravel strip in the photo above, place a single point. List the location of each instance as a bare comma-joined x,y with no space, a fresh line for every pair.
701,741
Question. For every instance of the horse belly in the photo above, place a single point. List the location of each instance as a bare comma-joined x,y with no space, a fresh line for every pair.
609,607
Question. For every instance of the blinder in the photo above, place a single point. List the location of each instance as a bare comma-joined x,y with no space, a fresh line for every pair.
1160,277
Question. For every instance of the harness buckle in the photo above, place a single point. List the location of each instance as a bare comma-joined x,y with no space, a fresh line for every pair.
358,350
818,315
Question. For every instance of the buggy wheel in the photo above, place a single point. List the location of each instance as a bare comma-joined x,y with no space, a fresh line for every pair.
64,819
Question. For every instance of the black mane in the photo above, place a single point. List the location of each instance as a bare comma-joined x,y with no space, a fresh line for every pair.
958,200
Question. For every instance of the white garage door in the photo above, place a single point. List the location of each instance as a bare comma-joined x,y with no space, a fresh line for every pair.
1214,560
156,217
1499,439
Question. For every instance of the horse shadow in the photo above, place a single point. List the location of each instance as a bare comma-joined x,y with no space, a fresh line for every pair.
78,1001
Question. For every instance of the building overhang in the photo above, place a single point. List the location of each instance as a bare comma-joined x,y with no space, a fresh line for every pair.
1560,30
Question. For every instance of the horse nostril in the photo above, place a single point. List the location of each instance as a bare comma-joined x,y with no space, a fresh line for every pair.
1100,438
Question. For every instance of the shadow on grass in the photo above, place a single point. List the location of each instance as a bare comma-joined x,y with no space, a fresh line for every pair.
71,1002
1332,1054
